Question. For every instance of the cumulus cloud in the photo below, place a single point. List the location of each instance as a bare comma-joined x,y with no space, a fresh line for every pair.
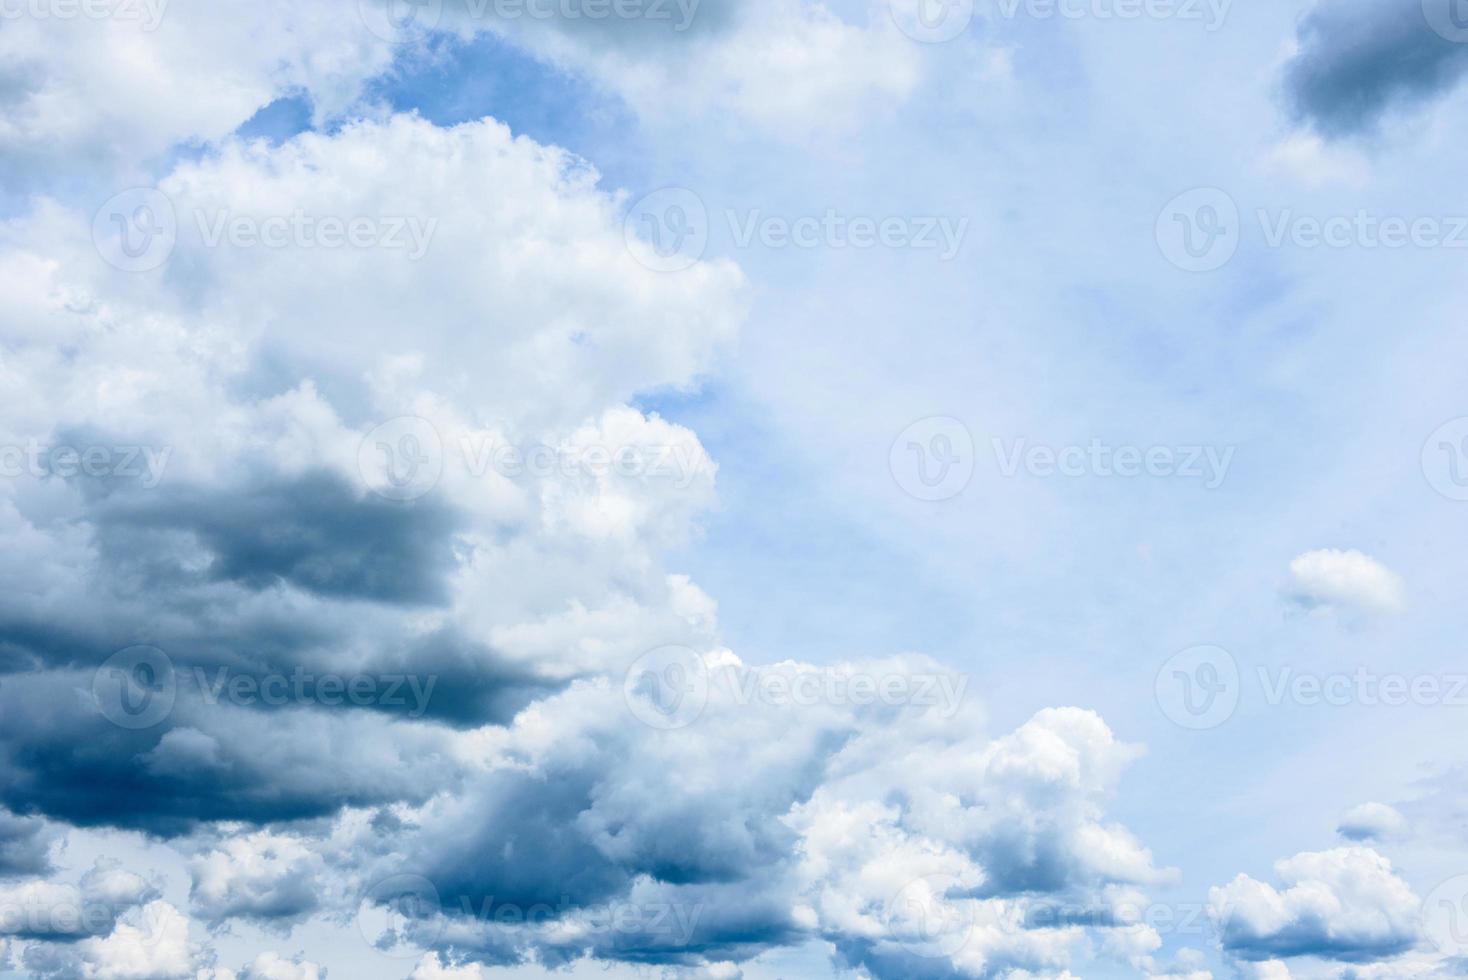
1345,580
262,876
1357,60
1372,822
1346,904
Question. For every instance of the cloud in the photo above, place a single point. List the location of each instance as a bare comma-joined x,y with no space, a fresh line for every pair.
1358,60
155,947
264,876
1345,580
1372,822
1346,904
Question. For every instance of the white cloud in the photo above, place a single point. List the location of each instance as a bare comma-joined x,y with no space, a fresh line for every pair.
1346,580
1346,904
155,948
1372,822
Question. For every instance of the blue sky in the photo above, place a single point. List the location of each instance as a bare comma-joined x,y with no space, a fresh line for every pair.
1164,236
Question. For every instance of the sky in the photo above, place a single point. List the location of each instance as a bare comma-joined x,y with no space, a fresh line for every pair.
765,489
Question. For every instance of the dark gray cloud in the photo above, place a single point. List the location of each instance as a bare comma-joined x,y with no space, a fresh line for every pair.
1360,59
25,845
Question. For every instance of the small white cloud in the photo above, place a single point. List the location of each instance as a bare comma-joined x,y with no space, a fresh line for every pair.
1331,579
1372,822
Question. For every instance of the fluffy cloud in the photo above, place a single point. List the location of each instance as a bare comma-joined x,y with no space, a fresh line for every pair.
1345,580
97,94
1372,822
1358,59
261,876
1346,904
